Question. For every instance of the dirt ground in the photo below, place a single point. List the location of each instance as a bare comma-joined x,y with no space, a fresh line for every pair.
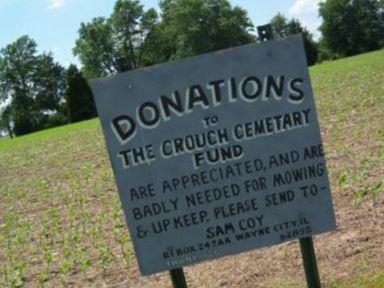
356,247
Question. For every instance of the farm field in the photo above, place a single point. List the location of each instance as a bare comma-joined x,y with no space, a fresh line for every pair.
61,224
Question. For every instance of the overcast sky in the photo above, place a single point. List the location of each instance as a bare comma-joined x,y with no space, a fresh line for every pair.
54,23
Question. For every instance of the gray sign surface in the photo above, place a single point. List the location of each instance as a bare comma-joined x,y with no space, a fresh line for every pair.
216,154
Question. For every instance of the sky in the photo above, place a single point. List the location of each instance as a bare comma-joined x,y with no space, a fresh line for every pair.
53,24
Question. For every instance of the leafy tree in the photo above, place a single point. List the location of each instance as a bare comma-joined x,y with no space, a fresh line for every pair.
157,46
109,45
200,26
18,61
125,21
31,82
78,96
48,84
324,52
95,48
281,27
352,27
131,37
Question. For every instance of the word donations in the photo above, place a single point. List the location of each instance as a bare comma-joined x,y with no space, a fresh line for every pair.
216,154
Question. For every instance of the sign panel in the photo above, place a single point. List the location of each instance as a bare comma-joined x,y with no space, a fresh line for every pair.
216,154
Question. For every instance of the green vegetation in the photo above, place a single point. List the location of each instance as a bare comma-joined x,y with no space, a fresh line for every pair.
351,112
352,27
132,37
60,213
374,280
78,97
281,28
61,223
36,93
33,85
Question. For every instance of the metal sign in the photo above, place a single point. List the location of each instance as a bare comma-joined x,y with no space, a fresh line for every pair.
216,154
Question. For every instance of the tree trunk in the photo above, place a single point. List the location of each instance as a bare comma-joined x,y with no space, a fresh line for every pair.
9,130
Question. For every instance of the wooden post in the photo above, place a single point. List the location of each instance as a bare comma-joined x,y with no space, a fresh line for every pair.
309,263
178,278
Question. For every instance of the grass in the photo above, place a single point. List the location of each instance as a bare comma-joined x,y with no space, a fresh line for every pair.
373,280
60,214
60,218
350,103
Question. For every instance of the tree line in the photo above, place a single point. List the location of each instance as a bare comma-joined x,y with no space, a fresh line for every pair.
38,93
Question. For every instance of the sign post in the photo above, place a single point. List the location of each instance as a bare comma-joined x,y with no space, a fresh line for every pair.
217,154
178,278
309,263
